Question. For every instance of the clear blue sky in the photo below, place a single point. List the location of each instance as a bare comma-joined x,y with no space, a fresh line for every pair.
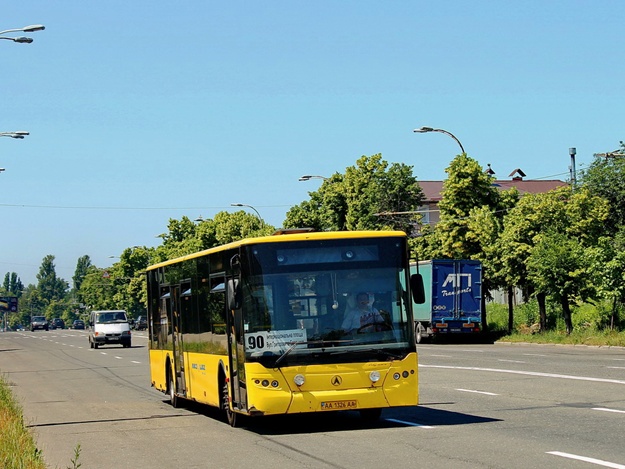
141,111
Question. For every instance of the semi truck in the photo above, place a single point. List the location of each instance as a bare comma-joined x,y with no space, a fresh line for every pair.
453,298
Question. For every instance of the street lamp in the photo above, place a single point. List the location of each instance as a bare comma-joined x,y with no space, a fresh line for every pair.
16,134
26,29
423,130
308,177
262,223
572,153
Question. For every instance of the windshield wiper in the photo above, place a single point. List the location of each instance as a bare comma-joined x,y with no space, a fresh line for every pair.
289,350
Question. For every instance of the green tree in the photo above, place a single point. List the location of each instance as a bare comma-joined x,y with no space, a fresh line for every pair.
12,285
605,177
185,237
97,289
577,216
354,201
128,279
471,212
606,263
325,210
466,188
50,287
82,267
556,265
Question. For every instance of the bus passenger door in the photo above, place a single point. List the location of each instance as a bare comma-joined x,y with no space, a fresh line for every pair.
236,355
178,346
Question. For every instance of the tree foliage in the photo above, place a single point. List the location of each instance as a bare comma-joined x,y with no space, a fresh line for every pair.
370,195
82,267
50,287
605,177
12,285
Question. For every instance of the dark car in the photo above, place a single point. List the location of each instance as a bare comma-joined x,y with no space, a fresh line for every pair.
78,324
141,323
38,322
58,323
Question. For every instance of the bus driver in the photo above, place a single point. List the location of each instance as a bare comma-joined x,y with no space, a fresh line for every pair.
363,314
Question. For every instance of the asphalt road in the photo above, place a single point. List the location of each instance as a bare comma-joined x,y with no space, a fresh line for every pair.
482,406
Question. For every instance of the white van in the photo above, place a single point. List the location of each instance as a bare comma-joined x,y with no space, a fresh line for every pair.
109,327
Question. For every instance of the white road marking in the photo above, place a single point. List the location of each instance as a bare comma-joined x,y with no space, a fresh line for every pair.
138,363
528,373
609,410
510,361
478,392
412,424
598,462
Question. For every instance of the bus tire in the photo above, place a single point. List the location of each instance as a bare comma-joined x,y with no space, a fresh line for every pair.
173,398
418,333
231,417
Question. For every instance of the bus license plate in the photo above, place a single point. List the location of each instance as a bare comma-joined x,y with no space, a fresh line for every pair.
339,405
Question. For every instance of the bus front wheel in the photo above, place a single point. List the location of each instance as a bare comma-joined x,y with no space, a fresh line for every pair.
231,417
173,398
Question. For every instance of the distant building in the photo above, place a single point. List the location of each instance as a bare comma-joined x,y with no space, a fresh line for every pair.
433,189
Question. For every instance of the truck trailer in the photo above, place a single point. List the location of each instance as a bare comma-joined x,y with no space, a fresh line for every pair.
453,292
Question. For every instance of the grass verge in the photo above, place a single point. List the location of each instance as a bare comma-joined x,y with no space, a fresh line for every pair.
17,445
581,337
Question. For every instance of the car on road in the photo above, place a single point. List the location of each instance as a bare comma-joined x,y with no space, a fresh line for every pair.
58,323
141,323
109,327
78,324
39,322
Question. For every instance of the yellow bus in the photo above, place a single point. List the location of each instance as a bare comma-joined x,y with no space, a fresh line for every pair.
260,326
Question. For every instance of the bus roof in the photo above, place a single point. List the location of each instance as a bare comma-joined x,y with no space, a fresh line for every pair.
281,238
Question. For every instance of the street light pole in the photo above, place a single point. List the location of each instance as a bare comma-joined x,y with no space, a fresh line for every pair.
572,153
262,223
26,29
423,130
308,177
16,134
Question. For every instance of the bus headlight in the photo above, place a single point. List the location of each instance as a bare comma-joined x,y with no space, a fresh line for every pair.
374,376
299,380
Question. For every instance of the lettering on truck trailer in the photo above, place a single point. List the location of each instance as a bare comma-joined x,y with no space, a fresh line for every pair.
456,282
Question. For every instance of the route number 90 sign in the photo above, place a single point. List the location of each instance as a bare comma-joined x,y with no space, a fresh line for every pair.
273,341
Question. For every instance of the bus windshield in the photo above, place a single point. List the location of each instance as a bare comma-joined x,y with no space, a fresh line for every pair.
329,304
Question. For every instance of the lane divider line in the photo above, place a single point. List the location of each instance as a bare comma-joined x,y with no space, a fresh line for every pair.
598,462
527,373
